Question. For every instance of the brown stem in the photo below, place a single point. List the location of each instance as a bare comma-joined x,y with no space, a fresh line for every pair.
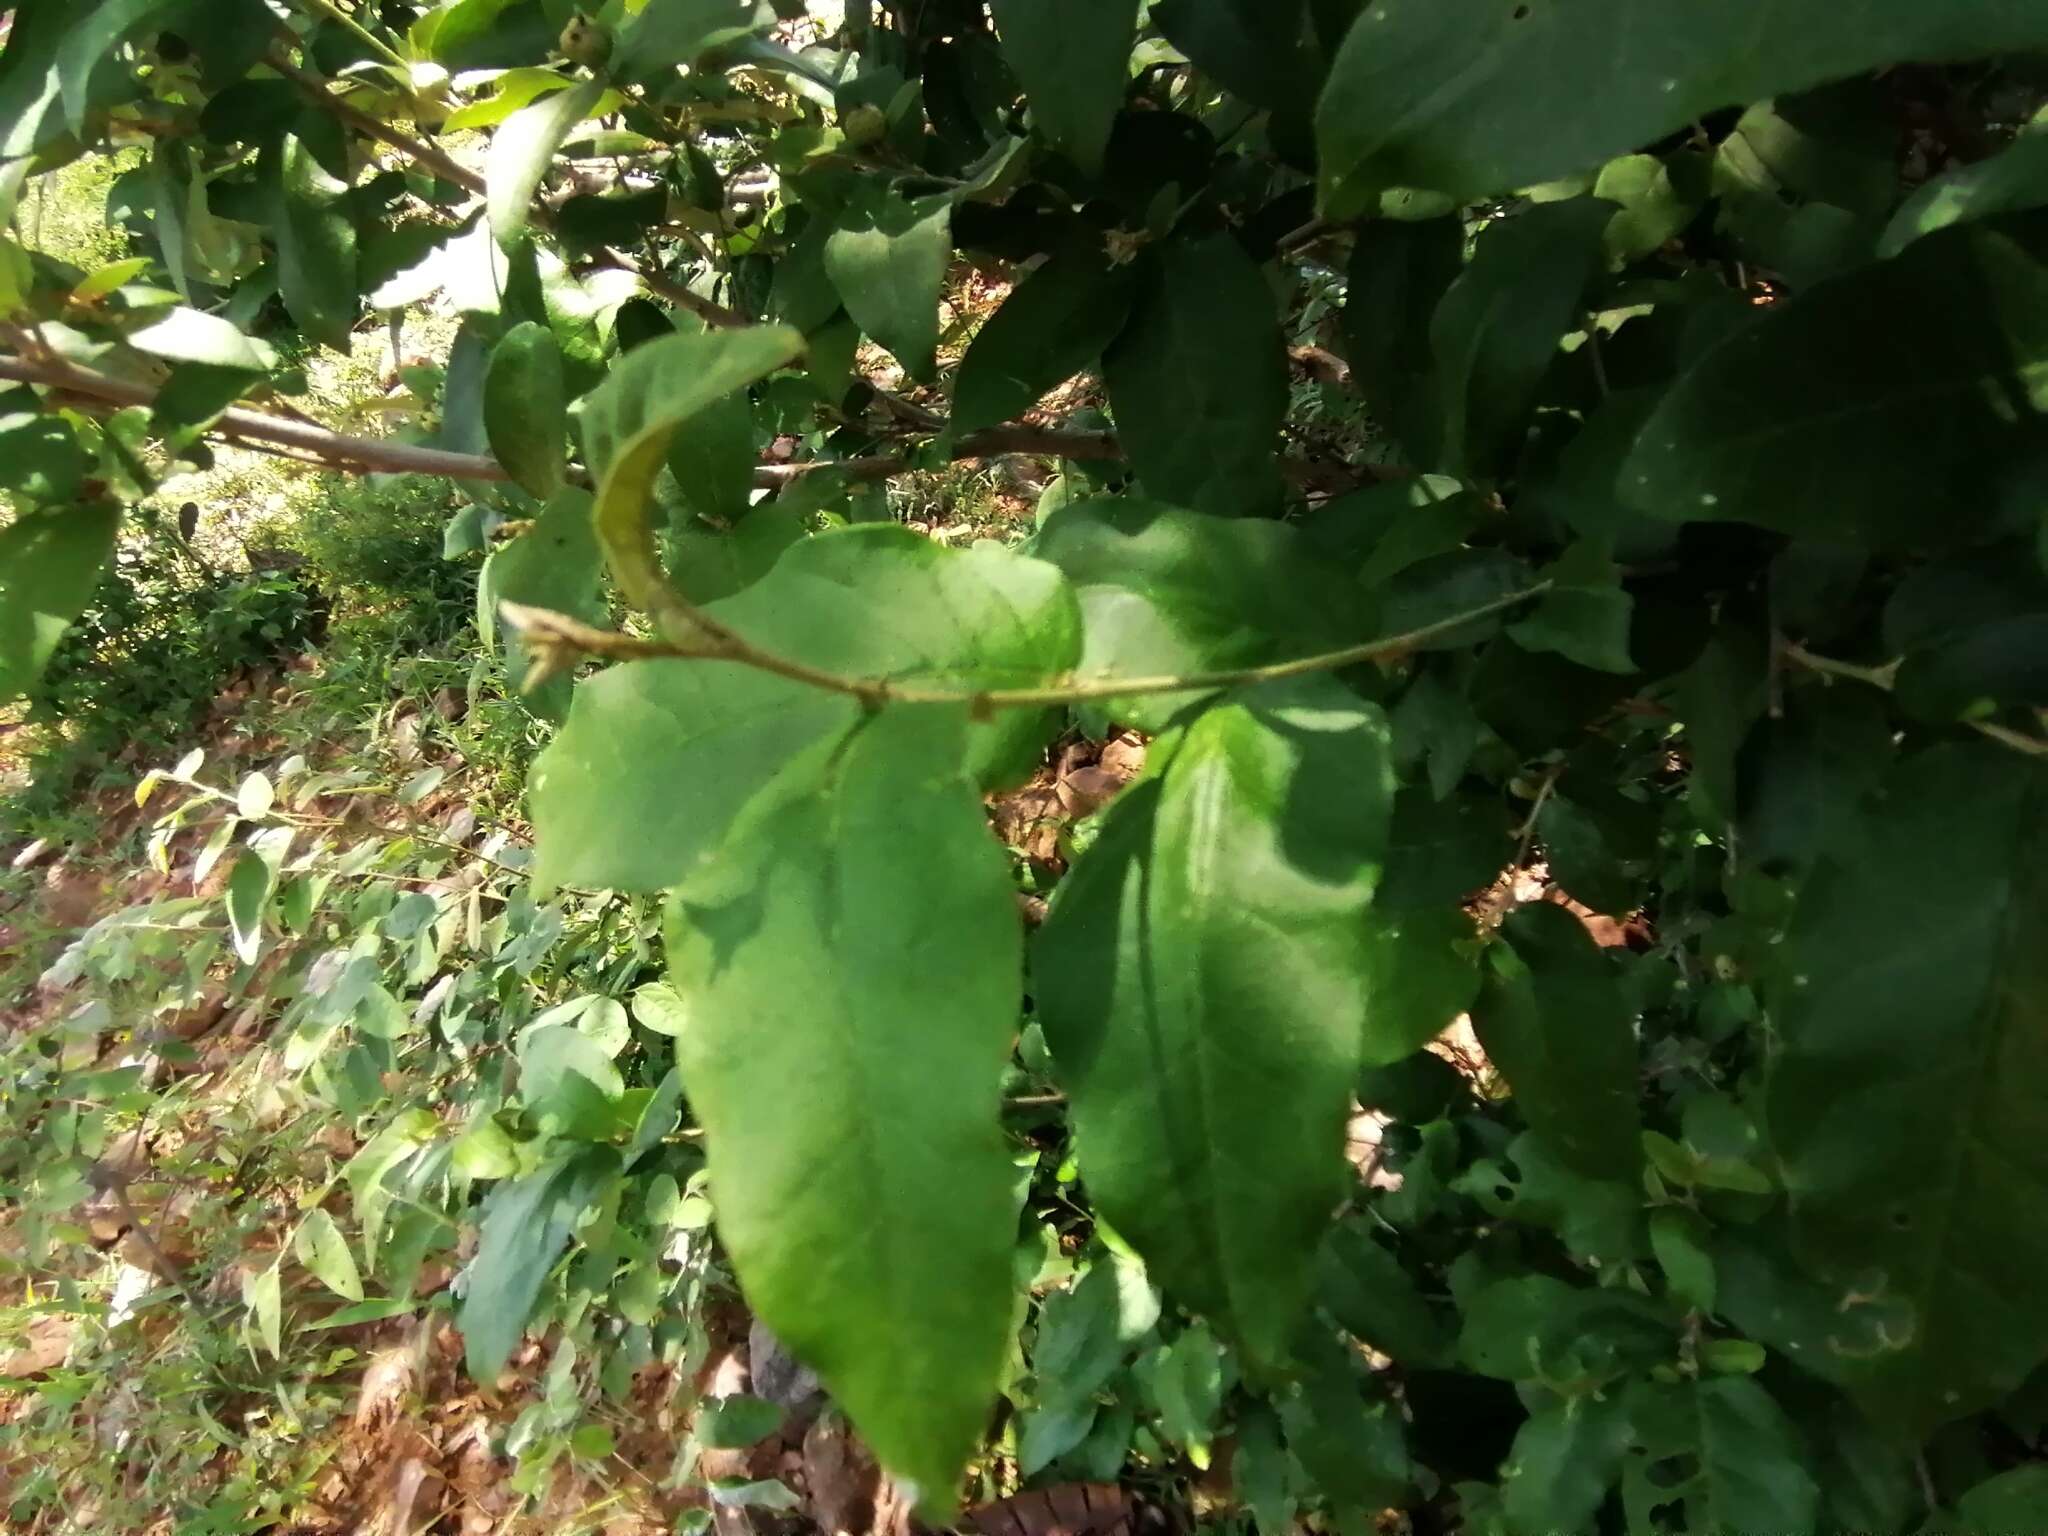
559,641
331,449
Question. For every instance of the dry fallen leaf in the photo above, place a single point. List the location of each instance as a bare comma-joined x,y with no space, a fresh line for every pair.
46,1341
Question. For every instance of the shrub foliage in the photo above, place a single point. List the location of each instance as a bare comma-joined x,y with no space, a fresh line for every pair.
1662,686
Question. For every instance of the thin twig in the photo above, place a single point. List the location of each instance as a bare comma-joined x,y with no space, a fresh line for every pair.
1528,834
324,10
330,448
1886,677
559,641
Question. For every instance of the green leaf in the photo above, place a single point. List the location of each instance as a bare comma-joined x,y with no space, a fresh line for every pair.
554,564
1586,614
1909,994
94,36
254,797
657,757
263,1295
186,336
1677,1238
1746,1470
523,149
736,1422
1198,381
710,565
712,457
1054,324
887,258
1165,592
50,565
1932,409
1187,1385
1423,973
1260,49
526,409
323,1250
568,1083
1534,1326
659,1008
883,1262
1085,1330
1372,1298
1554,1020
1200,982
1050,1430
1469,103
668,33
1652,211
2013,179
630,421
316,246
40,454
247,894
1566,1455
1074,58
526,1224
1497,330
1999,1506
1399,273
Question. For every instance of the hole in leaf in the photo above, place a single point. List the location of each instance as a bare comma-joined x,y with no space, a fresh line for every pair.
1670,1472
1521,13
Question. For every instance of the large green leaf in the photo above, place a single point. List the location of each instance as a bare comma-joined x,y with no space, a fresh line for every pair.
1399,273
658,756
671,32
888,259
851,961
1074,57
1198,381
522,150
1424,974
526,412
555,564
1202,982
1719,1453
1554,1020
526,1224
1261,49
1055,323
1165,592
183,335
50,565
1566,1456
2014,178
316,246
1905,1097
1468,101
1912,426
1496,332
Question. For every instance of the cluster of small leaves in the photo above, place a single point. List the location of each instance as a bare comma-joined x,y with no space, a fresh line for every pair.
1707,348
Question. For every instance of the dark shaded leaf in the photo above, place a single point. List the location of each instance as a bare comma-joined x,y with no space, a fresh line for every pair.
1074,57
1198,381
